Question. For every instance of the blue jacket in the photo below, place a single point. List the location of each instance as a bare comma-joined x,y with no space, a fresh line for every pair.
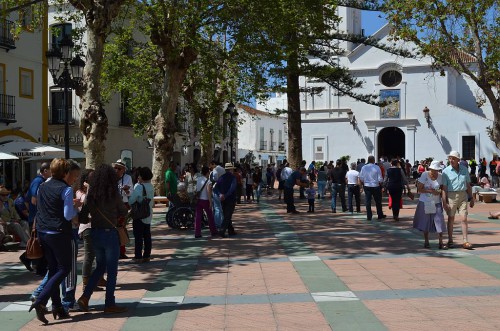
226,184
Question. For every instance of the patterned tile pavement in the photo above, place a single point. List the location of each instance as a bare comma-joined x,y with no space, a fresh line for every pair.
318,271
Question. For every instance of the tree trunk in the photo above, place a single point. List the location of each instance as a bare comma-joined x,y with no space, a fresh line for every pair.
165,128
93,122
294,118
99,14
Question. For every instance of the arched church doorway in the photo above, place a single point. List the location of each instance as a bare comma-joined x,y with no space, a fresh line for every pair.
391,143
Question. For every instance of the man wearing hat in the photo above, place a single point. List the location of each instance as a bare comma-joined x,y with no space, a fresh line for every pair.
225,189
124,185
456,192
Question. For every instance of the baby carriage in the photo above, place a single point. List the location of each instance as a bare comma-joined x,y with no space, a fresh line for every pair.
181,213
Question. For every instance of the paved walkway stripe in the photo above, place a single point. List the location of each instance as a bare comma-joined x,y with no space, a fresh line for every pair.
319,278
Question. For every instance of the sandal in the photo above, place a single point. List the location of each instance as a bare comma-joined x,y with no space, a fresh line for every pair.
467,245
427,245
443,246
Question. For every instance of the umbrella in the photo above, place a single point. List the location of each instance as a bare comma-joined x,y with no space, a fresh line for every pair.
25,149
73,154
8,156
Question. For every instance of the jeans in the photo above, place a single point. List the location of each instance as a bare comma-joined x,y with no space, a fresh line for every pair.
311,204
288,197
340,189
376,192
88,253
57,250
353,189
107,252
204,205
321,188
40,287
142,237
258,191
218,215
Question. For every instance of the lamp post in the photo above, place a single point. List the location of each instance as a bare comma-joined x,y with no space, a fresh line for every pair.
60,63
427,116
232,114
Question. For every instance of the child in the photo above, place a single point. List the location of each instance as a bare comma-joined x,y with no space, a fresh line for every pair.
311,194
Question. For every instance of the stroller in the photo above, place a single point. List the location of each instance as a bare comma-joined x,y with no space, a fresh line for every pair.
181,214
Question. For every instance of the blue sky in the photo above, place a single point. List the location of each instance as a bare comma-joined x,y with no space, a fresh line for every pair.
371,21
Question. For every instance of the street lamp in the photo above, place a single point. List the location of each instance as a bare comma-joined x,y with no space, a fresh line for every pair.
427,116
61,59
352,119
232,114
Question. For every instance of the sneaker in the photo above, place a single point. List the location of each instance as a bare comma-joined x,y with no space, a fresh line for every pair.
123,257
115,309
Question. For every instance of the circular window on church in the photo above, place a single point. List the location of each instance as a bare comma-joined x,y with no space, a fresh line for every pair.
391,78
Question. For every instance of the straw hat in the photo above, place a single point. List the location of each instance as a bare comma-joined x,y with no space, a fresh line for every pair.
454,154
229,166
119,163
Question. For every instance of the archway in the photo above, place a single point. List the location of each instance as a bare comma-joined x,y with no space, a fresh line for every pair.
391,143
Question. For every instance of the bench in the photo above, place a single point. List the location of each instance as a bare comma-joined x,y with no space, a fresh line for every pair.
487,197
160,200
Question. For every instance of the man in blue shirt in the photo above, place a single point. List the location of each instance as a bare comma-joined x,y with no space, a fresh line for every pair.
456,192
294,179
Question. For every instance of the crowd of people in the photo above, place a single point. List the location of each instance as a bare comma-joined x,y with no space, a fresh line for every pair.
62,192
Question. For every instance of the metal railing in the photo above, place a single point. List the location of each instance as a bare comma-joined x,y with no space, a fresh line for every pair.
58,116
6,37
7,108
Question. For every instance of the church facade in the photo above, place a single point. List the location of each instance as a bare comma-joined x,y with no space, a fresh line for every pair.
430,114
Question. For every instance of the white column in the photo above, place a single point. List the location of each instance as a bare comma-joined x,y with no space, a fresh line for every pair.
411,131
372,131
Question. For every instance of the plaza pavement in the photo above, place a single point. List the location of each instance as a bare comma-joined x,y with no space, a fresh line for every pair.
318,271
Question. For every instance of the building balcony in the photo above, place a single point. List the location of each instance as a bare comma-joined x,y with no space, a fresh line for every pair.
281,147
263,145
57,115
6,37
7,109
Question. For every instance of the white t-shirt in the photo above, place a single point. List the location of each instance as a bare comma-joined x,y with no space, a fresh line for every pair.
430,184
126,180
286,172
199,184
352,177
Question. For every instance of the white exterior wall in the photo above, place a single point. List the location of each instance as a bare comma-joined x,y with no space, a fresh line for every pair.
249,136
450,98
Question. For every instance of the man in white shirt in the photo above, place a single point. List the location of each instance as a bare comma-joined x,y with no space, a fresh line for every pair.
352,181
371,179
286,172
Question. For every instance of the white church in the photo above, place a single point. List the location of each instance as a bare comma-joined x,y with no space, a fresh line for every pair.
432,113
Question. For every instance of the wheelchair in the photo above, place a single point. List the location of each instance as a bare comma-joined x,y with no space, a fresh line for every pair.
181,214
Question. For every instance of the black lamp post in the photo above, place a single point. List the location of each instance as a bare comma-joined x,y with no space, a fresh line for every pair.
232,114
60,63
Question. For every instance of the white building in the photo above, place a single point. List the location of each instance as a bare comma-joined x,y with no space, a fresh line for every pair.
263,134
453,120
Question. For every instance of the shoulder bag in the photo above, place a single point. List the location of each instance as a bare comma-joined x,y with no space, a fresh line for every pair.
33,247
141,210
122,231
197,194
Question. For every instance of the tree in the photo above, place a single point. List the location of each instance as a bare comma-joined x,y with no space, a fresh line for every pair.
463,35
98,16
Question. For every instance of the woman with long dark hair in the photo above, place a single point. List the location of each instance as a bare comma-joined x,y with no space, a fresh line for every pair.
106,206
56,210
